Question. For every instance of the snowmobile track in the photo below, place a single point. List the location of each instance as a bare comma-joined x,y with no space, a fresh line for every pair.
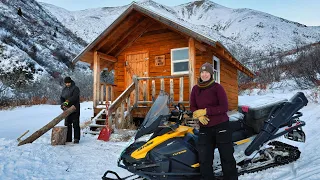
294,154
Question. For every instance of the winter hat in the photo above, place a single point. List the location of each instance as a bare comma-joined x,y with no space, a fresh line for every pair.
67,80
207,67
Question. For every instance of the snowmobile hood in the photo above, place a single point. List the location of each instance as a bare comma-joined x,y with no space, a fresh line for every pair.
154,116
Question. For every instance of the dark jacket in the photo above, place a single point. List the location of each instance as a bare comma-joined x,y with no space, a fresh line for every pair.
213,98
72,94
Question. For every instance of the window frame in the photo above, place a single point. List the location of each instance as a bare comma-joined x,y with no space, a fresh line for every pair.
177,61
215,58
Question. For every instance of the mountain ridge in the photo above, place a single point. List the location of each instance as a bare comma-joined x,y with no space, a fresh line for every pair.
251,28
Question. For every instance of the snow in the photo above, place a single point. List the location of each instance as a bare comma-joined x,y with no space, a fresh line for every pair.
91,158
247,27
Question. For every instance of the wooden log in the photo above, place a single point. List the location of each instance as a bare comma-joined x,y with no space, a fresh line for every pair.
59,135
162,84
153,87
181,89
171,91
144,90
48,126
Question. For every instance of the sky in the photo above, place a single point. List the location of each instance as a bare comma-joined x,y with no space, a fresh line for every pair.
301,11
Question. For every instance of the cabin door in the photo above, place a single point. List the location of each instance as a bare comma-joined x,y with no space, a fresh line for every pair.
137,64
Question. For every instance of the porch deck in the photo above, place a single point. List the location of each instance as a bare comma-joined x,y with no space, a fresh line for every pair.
135,101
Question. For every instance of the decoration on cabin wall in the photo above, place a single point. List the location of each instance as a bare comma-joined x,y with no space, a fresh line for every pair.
160,60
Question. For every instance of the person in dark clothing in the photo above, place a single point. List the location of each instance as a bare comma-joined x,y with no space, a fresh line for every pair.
70,95
209,104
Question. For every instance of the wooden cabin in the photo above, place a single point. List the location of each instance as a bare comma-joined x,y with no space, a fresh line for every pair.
148,53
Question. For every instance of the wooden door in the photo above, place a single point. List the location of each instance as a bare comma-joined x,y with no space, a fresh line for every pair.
137,64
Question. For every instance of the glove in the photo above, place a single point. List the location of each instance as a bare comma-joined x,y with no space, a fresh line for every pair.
204,120
63,107
66,103
199,112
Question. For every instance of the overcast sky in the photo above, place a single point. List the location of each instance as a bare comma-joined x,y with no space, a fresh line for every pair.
303,11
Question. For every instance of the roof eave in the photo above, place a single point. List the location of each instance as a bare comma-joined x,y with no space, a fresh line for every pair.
102,34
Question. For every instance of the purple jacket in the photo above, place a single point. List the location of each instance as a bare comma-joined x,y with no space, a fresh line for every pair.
213,98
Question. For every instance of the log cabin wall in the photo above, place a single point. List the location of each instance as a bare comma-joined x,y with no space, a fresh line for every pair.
228,74
156,41
159,40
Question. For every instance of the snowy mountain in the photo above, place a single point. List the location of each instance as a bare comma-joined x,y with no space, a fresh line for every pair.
250,28
87,24
33,42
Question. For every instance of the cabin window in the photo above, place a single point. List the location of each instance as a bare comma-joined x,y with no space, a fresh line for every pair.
216,69
179,61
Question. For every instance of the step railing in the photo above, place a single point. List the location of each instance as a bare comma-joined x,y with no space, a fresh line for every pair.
138,94
142,97
118,107
106,93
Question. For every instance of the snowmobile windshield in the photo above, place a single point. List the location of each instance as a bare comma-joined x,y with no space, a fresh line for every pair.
153,117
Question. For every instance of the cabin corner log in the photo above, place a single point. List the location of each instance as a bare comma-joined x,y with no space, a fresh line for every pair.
48,126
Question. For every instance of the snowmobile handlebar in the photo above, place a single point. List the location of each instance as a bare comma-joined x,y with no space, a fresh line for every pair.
180,111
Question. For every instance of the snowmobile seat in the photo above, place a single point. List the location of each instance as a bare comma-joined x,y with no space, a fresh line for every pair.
258,111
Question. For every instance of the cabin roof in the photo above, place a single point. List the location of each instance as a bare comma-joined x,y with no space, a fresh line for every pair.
133,22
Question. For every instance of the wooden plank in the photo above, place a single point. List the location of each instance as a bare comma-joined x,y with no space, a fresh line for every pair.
144,90
107,93
96,78
153,87
131,30
132,39
162,84
121,98
192,59
107,57
171,91
136,96
122,113
125,24
181,89
200,46
112,93
101,94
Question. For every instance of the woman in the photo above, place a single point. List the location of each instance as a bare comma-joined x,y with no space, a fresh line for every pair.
209,104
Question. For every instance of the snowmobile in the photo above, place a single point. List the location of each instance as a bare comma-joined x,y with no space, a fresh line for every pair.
165,148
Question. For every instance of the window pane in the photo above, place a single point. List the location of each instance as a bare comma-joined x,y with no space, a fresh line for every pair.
180,54
215,66
181,66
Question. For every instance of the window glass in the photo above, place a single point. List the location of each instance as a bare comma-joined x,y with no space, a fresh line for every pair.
215,66
181,66
179,61
180,54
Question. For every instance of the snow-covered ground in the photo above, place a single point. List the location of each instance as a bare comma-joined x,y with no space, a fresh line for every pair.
91,158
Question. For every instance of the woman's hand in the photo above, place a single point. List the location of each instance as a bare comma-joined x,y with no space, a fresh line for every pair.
199,112
204,120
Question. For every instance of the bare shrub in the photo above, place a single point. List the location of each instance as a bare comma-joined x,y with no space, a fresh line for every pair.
306,68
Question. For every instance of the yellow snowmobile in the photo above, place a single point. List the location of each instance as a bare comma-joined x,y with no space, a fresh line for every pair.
164,148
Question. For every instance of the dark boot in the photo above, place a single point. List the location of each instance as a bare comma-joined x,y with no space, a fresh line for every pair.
76,141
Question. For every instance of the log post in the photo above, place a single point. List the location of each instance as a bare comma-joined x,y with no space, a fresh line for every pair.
192,63
48,126
59,135
153,87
